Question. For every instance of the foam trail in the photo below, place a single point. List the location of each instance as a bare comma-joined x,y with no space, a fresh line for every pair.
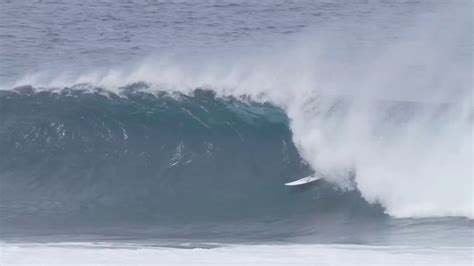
85,253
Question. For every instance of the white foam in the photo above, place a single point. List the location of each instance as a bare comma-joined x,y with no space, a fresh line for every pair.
93,254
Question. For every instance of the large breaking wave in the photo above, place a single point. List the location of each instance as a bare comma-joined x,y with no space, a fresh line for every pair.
87,157
215,137
166,156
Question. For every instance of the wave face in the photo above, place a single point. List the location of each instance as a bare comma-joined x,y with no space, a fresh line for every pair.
143,152
91,157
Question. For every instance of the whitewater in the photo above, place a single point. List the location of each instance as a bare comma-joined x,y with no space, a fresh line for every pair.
165,132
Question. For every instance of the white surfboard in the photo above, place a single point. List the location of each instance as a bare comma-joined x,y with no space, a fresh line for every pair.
304,180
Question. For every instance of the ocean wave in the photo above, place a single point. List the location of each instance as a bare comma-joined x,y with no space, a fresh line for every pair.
92,154
89,156
390,126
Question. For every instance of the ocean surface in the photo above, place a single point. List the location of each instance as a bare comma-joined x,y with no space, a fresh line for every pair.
163,132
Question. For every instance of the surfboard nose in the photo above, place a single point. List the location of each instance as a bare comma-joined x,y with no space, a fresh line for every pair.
304,180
